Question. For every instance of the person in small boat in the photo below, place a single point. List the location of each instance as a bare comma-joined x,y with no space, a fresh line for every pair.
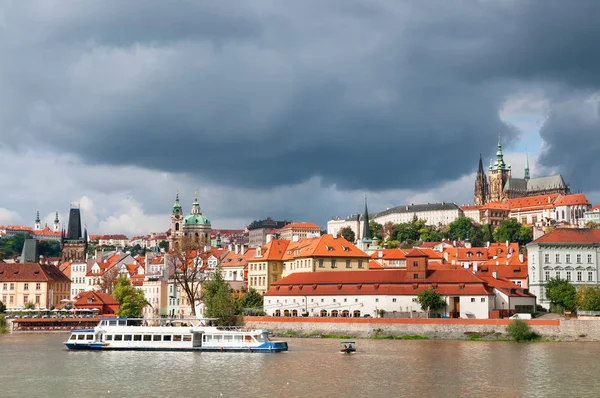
345,346
350,346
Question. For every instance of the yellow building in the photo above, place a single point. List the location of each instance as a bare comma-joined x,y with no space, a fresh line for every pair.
280,258
42,285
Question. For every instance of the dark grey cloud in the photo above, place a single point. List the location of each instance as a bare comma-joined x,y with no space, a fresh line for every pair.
572,137
365,95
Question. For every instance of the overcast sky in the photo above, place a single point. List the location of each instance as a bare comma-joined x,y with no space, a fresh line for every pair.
289,109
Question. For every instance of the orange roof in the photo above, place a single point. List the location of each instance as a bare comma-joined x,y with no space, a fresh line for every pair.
100,298
470,207
496,206
506,286
31,272
390,254
416,253
571,235
274,250
232,259
374,264
595,208
533,202
301,225
574,199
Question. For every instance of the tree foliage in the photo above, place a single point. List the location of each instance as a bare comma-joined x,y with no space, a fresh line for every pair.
2,308
513,231
591,224
49,248
347,233
430,300
218,299
250,303
519,330
187,268
459,229
561,293
163,244
588,298
131,300
376,229
108,280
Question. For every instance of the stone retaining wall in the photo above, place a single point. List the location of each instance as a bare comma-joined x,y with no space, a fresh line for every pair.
588,330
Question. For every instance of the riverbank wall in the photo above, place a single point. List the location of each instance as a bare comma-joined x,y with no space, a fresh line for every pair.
554,329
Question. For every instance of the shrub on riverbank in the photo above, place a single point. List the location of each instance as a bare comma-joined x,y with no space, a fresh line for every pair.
3,328
519,330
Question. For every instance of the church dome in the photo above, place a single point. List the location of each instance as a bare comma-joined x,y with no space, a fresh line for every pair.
196,219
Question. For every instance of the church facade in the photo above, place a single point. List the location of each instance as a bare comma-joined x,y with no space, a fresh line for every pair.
195,225
500,185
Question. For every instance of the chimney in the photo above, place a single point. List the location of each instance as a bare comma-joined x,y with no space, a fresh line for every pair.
98,257
495,275
474,268
334,234
243,249
521,257
230,247
237,248
268,239
487,244
295,238
454,243
507,243
380,254
507,263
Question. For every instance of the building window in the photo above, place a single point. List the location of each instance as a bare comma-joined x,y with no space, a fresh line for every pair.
38,286
12,286
579,259
415,263
322,300
360,263
416,276
376,300
547,258
274,267
356,300
321,263
590,276
26,286
483,299
393,300
579,276
557,274
557,258
472,299
333,263
347,263
345,300
569,276
547,275
589,258
37,299
334,300
568,258
25,299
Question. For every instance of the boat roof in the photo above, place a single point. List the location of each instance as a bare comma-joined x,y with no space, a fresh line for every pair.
347,342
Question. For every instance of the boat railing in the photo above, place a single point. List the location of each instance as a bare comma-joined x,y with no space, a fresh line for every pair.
233,328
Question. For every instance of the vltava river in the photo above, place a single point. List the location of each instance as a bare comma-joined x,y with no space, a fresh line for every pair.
37,365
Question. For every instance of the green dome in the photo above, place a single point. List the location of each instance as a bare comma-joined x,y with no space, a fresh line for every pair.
196,219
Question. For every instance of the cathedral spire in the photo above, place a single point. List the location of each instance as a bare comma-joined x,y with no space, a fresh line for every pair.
366,232
526,167
481,185
177,205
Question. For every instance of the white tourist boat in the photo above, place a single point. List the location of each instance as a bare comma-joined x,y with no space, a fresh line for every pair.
164,334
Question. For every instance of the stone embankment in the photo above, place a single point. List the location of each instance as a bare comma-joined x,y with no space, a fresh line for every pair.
554,329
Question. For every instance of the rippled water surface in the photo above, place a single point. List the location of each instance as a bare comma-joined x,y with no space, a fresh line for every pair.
37,365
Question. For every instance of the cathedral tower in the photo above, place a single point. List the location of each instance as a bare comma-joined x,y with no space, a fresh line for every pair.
176,223
481,185
499,175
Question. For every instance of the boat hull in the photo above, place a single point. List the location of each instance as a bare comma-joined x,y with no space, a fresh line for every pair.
263,348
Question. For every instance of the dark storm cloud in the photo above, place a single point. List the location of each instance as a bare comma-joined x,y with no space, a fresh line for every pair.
572,136
374,95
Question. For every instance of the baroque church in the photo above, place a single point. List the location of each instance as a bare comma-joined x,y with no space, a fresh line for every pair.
195,225
500,186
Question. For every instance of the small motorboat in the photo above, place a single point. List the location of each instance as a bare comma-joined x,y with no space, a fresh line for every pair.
348,347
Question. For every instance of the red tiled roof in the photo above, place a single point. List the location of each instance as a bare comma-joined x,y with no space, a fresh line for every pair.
595,208
533,202
31,272
506,286
571,235
374,264
416,253
496,206
101,298
390,254
574,199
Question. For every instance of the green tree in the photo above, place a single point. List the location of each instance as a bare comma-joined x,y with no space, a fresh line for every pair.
2,308
511,230
347,233
376,229
519,330
561,293
458,229
486,234
429,234
131,300
392,244
387,230
591,224
163,244
430,300
49,248
3,328
588,298
250,303
218,299
17,242
405,231
29,305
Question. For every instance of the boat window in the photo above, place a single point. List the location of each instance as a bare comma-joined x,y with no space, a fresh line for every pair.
167,337
262,337
228,338
73,337
137,337
237,338
81,337
187,337
217,338
127,337
108,337
177,337
89,337
207,337
148,337
118,337
113,323
122,323
248,339
156,337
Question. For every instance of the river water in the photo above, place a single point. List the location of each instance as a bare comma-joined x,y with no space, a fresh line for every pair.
37,365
